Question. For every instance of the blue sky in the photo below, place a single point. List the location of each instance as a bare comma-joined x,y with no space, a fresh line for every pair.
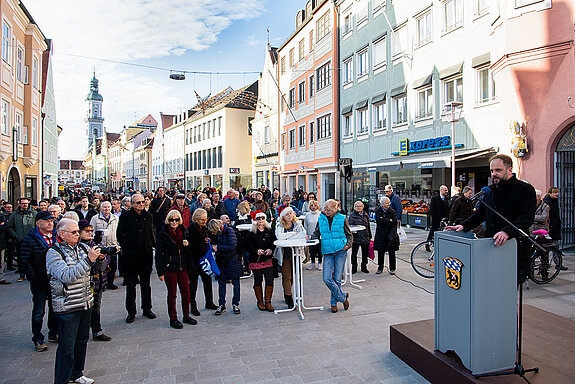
193,35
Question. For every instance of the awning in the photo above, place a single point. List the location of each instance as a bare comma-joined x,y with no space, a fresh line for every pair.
378,99
398,91
480,60
362,104
476,153
423,82
347,110
451,71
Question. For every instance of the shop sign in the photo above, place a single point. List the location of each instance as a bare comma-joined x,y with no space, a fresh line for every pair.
206,172
371,170
234,170
425,165
406,146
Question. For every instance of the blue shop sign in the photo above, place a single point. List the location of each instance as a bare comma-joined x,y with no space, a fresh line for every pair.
406,147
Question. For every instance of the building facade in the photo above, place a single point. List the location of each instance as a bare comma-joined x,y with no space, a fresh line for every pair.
131,139
309,108
173,148
49,132
72,173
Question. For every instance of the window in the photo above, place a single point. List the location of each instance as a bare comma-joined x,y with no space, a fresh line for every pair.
362,63
220,157
424,103
292,139
301,49
214,128
283,141
348,70
347,127
362,121
203,135
266,134
452,14
301,92
35,73
486,85
324,127
311,86
283,65
323,26
324,76
523,3
481,7
424,28
399,109
209,128
453,90
347,27
6,36
291,58
20,64
379,116
399,41
292,98
219,126
209,158
311,40
379,53
311,132
5,117
361,12
378,4
301,141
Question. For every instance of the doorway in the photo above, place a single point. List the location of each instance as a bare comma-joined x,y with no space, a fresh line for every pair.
14,187
565,177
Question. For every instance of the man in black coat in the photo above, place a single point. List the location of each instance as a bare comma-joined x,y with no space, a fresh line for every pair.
439,210
159,208
218,205
462,207
516,201
85,210
136,236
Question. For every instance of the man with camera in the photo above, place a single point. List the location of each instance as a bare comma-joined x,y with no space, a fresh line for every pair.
105,225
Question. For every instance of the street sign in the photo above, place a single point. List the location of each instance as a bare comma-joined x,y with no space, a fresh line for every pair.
47,183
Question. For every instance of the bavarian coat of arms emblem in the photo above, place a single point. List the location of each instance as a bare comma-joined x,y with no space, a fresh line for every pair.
453,272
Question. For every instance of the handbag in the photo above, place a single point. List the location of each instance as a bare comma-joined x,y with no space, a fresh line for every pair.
208,263
402,234
371,253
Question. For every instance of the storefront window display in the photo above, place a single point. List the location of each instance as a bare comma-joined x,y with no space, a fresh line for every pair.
237,181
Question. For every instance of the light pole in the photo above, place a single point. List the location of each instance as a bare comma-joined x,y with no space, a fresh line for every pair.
455,111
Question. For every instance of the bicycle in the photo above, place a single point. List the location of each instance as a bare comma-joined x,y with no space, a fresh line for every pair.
422,256
546,266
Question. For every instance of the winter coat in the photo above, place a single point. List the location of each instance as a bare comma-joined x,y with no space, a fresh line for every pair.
360,237
198,247
231,205
220,209
184,212
227,256
20,223
261,206
136,236
169,255
33,257
554,217
386,238
461,209
260,240
438,210
396,205
109,228
91,213
541,220
283,233
3,231
159,209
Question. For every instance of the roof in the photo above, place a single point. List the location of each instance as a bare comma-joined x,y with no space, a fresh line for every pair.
112,137
45,65
147,120
72,164
167,120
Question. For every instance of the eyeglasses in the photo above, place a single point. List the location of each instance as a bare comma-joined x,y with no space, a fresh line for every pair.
88,230
174,220
260,218
74,232
139,202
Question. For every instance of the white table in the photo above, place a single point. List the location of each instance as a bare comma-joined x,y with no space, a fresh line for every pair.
347,273
243,228
297,246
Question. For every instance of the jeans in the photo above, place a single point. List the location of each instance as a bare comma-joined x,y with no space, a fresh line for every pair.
73,335
39,298
333,265
145,291
173,279
95,319
111,275
222,291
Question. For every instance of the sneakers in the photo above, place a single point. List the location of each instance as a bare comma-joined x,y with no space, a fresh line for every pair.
21,278
379,271
102,337
236,309
221,309
319,266
311,266
83,380
392,271
40,346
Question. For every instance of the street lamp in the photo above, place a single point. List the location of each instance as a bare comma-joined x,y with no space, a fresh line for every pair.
454,108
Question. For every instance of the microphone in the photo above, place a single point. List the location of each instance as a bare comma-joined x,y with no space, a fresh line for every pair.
480,194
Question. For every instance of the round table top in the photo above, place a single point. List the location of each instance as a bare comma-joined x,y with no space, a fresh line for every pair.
300,242
243,227
356,228
302,217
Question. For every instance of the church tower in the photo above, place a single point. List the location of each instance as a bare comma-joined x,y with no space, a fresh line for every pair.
94,119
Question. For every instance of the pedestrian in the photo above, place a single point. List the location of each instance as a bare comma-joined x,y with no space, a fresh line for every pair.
438,210
541,220
107,225
395,202
3,248
21,221
159,208
68,264
197,236
180,206
386,237
333,231
172,264
260,245
361,239
552,200
33,258
126,204
462,207
287,227
305,206
276,196
310,223
116,207
56,212
85,210
224,244
231,203
260,204
207,206
136,236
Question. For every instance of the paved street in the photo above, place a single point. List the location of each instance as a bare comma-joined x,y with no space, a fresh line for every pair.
253,347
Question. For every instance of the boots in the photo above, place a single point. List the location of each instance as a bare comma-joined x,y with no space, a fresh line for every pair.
259,297
269,293
289,301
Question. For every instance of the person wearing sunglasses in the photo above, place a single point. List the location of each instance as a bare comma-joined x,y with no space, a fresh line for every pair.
137,237
172,264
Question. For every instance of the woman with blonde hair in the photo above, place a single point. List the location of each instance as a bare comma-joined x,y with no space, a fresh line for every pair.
309,223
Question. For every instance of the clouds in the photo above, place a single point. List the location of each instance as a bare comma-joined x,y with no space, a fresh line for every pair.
155,32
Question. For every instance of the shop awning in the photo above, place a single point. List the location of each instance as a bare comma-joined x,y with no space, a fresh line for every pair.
476,153
451,71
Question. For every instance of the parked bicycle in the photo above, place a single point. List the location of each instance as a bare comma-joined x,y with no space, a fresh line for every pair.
422,260
545,266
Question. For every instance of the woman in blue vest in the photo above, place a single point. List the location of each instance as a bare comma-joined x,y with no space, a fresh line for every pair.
336,238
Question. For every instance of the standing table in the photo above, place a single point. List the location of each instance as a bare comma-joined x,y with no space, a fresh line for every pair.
347,275
243,228
297,246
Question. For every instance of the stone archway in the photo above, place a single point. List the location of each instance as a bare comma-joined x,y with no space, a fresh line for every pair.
565,180
14,185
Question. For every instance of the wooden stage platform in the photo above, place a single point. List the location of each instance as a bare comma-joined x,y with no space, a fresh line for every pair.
548,343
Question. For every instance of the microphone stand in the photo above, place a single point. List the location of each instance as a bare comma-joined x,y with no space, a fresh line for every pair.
518,370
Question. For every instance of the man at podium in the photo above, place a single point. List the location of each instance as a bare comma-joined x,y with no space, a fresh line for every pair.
512,198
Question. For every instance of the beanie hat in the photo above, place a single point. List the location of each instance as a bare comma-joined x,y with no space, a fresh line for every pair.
83,224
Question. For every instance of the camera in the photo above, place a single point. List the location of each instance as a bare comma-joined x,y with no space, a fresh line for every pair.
103,250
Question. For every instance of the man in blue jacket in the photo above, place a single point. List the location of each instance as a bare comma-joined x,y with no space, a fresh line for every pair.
231,203
33,257
395,202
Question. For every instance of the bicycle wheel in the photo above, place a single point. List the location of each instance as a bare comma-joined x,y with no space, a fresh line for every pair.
545,266
422,260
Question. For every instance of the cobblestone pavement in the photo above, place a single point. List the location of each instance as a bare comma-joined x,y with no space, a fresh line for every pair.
253,347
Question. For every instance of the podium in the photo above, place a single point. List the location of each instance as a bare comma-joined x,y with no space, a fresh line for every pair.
476,300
